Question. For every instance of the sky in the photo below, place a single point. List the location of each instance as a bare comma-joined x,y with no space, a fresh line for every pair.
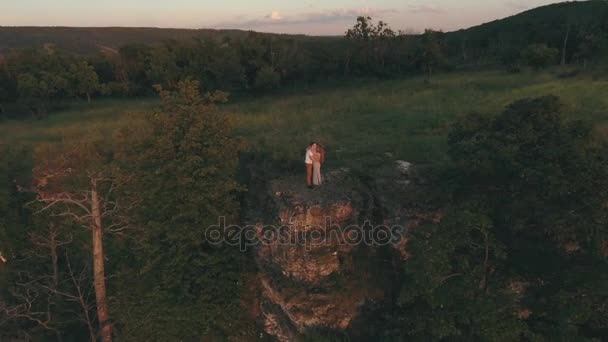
315,17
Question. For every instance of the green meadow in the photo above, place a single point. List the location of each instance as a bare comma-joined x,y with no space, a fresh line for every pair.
360,123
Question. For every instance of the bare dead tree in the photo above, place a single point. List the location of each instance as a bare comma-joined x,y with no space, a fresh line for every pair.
565,44
50,242
32,304
89,209
80,296
73,183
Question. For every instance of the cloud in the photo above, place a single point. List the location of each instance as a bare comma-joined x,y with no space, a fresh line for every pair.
428,9
331,16
274,15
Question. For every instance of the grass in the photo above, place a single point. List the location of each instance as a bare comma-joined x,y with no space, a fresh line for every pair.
362,124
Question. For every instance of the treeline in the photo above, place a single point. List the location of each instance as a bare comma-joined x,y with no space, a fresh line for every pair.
34,80
564,33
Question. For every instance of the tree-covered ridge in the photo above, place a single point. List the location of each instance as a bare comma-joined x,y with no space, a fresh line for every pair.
540,24
35,79
91,40
570,27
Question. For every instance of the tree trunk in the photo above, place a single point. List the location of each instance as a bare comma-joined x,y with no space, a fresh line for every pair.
99,280
347,63
485,263
53,247
464,50
565,46
89,97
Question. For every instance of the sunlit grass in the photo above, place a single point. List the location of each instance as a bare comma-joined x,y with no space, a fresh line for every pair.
360,124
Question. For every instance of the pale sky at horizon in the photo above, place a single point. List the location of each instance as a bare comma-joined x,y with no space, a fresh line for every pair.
306,16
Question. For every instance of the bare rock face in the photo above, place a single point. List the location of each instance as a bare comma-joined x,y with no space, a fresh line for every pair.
311,247
308,277
312,274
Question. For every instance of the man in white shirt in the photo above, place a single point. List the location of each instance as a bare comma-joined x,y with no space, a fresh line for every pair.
308,162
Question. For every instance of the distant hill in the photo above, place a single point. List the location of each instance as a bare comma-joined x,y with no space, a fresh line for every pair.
546,24
542,24
89,40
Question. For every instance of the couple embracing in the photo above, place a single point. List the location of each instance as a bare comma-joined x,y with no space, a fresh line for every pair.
315,157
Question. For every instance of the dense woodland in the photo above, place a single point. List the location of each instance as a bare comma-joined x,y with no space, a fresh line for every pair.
100,238
35,79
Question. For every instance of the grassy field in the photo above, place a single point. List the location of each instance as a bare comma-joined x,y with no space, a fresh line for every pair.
359,123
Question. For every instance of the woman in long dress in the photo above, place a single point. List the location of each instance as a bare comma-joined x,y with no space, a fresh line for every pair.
317,160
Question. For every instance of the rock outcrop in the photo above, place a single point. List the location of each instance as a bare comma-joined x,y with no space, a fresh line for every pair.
307,275
312,272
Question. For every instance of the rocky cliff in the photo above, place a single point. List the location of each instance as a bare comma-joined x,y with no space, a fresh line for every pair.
316,270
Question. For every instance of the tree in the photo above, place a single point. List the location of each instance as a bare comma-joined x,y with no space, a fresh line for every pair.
163,66
130,68
430,53
267,78
517,255
539,56
8,88
542,183
590,46
255,53
182,161
41,77
84,78
73,180
38,90
363,29
372,44
511,59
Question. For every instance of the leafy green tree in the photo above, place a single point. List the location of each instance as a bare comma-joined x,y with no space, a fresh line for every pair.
539,56
8,88
84,78
430,53
542,182
363,29
255,53
37,91
225,68
372,44
130,69
41,77
511,59
181,163
162,65
292,59
518,254
267,78
590,46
